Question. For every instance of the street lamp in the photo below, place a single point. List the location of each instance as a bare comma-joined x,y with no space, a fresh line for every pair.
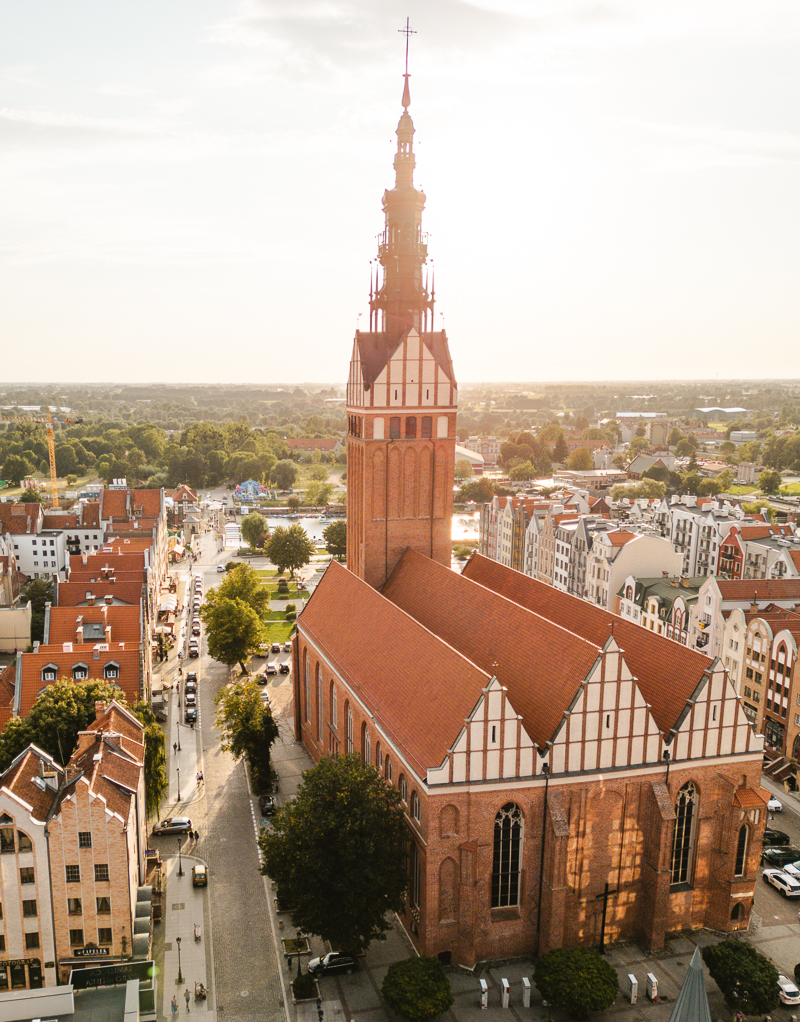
179,784
180,974
180,862
179,736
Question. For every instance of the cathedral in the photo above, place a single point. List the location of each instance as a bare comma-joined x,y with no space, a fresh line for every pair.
568,777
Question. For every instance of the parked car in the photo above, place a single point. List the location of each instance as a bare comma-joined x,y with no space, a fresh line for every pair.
190,698
189,686
793,869
775,838
267,805
285,667
333,963
173,825
220,568
194,652
276,647
779,856
787,886
195,629
191,676
797,967
774,805
272,669
787,991
199,876
190,715
287,646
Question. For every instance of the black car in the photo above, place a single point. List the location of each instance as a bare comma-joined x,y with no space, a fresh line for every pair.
276,647
284,668
191,676
779,857
333,963
267,805
775,838
797,973
190,716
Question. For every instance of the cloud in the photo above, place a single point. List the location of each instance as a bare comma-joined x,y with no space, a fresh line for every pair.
692,146
23,128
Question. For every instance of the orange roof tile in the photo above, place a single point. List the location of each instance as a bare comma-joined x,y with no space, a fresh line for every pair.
126,656
124,622
759,588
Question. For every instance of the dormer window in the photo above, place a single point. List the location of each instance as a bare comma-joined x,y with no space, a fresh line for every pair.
80,672
49,673
111,671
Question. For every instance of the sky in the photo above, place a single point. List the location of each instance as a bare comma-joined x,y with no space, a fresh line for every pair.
190,190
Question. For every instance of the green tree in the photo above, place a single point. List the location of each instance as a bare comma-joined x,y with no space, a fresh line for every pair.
578,980
760,506
769,482
336,853
335,536
16,467
233,629
674,437
247,727
293,503
32,497
580,460
417,989
725,479
37,592
649,488
684,448
463,469
284,474
478,490
254,528
319,473
560,450
289,548
318,494
522,470
747,979
155,757
242,582
639,444
709,488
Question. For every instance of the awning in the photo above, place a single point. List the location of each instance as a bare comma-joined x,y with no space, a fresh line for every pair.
167,603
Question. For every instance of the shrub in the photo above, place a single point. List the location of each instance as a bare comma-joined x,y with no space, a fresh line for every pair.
290,607
576,979
303,986
291,616
747,979
283,585
417,989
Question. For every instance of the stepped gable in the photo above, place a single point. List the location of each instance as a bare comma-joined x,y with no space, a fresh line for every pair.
406,665
540,662
667,673
22,780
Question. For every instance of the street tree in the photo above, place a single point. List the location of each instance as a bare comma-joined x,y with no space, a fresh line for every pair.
336,853
254,528
318,494
747,979
233,629
335,536
289,548
769,482
155,757
685,448
284,474
242,582
37,592
318,472
247,727
417,989
32,497
578,980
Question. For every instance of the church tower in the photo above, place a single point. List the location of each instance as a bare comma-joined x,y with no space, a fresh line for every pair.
401,396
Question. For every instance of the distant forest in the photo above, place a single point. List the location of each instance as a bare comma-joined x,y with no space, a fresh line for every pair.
163,434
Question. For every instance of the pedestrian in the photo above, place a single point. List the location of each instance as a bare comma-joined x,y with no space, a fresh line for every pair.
187,997
174,747
199,778
174,1005
196,836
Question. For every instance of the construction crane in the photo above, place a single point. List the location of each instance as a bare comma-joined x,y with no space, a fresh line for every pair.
51,446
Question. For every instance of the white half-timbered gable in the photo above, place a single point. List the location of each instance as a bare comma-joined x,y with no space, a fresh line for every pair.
609,724
713,722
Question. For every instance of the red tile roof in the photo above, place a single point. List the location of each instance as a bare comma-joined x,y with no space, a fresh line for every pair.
124,623
73,594
667,672
759,588
124,655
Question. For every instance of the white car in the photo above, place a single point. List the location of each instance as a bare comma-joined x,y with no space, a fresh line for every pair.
774,805
788,886
793,869
787,991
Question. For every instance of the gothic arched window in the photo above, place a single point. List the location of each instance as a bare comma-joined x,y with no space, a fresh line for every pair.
507,856
366,754
306,688
319,705
683,841
348,715
741,851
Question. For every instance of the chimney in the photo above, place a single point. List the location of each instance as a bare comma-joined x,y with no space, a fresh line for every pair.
109,600
108,631
90,599
665,574
99,708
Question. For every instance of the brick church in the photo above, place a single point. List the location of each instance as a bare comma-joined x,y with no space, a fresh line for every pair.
568,776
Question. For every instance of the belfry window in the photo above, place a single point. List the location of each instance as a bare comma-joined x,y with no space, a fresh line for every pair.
507,856
683,841
394,427
427,426
411,427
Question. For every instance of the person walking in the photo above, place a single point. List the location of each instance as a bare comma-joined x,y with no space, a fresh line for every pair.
174,1005
187,997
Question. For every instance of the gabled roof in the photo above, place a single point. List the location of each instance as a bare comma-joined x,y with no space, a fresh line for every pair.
667,672
124,622
30,666
374,352
759,588
24,780
73,594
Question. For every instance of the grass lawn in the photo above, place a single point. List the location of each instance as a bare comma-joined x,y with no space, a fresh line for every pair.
278,631
791,488
740,490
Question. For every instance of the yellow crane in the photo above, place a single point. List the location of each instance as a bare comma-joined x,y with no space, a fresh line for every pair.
51,445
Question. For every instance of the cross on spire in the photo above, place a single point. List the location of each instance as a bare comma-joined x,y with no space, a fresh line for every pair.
407,31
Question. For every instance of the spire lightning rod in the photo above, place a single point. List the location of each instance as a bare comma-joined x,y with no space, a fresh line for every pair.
407,31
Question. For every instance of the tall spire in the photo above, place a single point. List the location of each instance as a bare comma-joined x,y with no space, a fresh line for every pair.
401,301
